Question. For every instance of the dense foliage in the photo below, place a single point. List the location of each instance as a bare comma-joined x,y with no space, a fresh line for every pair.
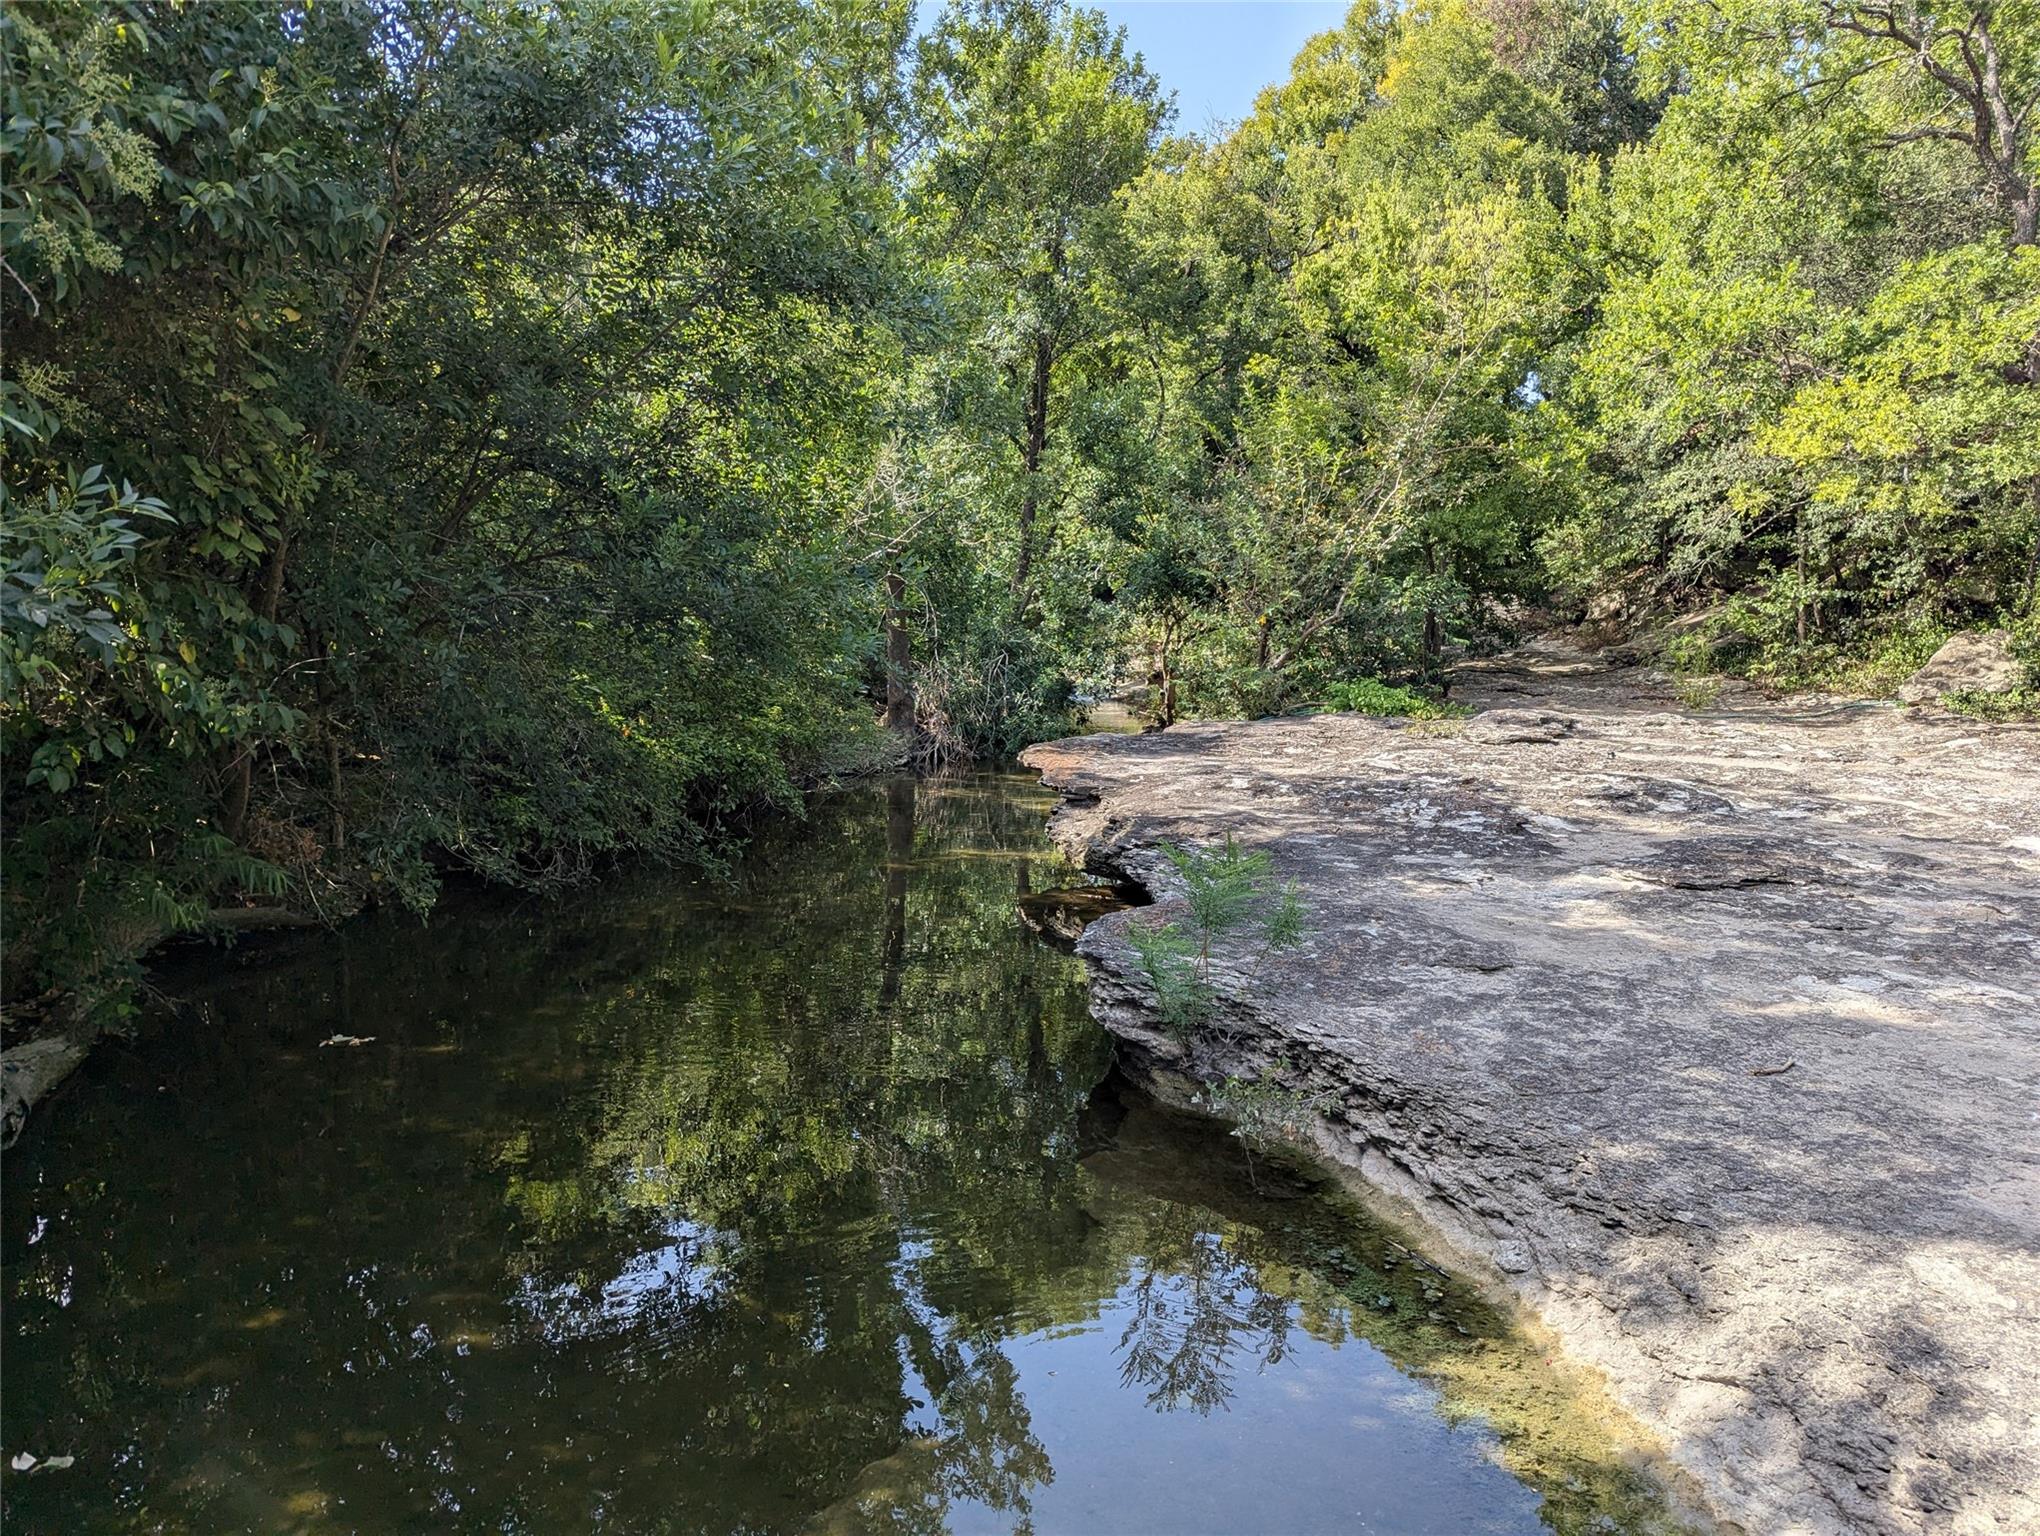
486,434
428,432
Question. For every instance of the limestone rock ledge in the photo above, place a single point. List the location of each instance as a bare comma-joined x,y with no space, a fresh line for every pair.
1714,1035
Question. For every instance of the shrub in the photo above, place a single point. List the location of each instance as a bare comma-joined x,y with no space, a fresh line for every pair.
1371,696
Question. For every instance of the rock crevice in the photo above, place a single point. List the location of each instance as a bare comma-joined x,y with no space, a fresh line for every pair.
1711,1034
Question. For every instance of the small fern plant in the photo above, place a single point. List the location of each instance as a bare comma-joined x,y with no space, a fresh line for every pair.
1228,889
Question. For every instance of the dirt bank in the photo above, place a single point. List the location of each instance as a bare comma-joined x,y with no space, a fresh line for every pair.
1714,1032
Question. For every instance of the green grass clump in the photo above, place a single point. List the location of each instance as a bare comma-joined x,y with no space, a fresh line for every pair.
2021,704
1697,692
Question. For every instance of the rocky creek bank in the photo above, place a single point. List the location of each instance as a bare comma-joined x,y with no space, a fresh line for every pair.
1713,1034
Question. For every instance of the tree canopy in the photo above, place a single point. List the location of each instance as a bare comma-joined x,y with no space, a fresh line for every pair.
486,435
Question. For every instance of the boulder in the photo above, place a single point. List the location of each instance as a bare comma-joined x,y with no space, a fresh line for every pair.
27,1073
1975,661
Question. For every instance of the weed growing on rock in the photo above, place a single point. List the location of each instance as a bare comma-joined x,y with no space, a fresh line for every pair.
1168,958
1264,1110
1228,889
1697,692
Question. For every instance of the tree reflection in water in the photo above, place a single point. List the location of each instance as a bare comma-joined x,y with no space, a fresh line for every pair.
1186,1326
673,1208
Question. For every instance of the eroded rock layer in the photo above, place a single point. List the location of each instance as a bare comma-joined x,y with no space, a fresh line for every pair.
1713,1031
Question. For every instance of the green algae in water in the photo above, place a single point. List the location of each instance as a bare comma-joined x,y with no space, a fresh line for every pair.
795,1205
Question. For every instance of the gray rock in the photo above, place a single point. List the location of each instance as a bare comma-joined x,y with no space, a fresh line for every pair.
1518,725
1975,661
27,1073
1715,1038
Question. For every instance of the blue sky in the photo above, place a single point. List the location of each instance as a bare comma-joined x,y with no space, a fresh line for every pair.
1216,55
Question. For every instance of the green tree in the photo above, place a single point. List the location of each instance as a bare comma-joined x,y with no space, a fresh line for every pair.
487,378
1039,116
1808,390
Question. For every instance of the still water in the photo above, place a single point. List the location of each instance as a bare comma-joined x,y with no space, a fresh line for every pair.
801,1203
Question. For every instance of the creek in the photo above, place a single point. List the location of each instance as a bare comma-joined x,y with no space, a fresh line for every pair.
802,1201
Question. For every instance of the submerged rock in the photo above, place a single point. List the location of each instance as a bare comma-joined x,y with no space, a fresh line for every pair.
1715,1037
1061,916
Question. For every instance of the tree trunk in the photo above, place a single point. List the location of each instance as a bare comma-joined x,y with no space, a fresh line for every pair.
2033,555
334,784
899,655
240,787
1799,575
242,784
241,771
1165,675
1030,459
1434,638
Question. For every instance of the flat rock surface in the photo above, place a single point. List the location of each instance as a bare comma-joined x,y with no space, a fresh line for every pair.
1713,1030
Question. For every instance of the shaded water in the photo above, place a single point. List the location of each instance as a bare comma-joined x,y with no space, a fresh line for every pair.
794,1205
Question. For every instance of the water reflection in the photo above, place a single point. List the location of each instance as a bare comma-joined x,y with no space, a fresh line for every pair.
778,1207
1185,1327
